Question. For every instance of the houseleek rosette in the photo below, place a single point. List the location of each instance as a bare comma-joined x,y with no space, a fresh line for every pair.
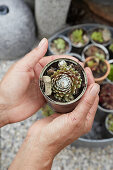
65,82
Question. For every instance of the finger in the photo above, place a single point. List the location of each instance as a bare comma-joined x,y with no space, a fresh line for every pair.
48,59
91,115
86,103
32,58
89,76
46,120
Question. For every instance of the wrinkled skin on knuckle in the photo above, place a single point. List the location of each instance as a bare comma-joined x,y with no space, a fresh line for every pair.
87,101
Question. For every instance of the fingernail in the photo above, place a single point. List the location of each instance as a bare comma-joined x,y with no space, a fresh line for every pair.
95,89
42,42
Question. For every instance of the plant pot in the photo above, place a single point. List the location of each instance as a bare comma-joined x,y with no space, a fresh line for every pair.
67,42
50,16
97,33
109,133
99,80
75,55
100,47
58,95
110,62
107,94
78,46
17,29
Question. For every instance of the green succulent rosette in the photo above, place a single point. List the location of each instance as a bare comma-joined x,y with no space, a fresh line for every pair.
65,82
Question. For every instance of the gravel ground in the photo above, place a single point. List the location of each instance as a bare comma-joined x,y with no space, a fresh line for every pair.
70,158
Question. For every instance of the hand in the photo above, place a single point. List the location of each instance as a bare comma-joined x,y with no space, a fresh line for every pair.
50,135
20,96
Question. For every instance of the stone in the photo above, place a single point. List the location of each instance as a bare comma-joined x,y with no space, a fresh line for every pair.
50,16
47,82
17,29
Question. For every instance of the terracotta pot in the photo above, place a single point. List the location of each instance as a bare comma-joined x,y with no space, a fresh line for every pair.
101,79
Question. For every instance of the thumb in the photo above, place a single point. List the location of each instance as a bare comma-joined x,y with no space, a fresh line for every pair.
32,58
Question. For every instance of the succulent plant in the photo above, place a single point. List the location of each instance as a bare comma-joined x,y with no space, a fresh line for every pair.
106,96
77,36
97,36
47,110
110,122
101,35
111,47
60,44
65,82
95,51
110,76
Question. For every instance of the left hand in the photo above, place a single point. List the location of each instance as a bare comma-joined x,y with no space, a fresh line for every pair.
20,96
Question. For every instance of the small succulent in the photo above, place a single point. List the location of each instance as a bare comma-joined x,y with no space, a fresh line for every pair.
60,44
111,47
65,81
47,110
110,122
110,76
101,35
106,96
77,36
97,36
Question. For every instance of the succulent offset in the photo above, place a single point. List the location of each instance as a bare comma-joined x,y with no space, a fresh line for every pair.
110,122
65,81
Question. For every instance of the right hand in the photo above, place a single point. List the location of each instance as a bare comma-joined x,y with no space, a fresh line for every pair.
50,135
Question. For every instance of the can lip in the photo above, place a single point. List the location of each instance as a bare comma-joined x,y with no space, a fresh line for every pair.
60,103
75,55
96,45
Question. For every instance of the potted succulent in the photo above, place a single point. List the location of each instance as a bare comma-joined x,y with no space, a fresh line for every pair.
101,36
106,97
75,55
109,125
59,45
63,82
111,50
79,38
99,66
95,50
110,76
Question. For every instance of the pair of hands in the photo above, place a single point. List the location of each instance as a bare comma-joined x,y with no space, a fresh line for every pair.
20,98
